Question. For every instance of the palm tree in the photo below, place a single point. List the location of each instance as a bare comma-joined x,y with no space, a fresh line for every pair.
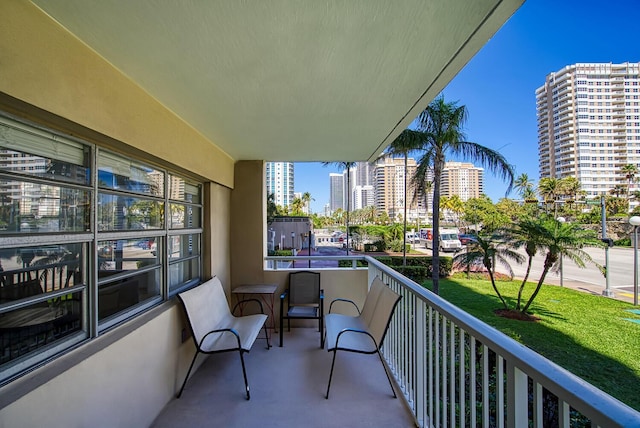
306,200
272,208
549,188
406,142
523,185
441,126
489,250
526,233
296,207
561,239
347,166
630,171
370,212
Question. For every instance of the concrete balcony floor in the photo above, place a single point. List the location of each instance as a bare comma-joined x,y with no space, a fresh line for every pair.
288,386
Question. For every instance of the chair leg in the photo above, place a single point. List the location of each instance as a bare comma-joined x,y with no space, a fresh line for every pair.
266,335
387,373
281,321
188,373
321,333
333,362
244,374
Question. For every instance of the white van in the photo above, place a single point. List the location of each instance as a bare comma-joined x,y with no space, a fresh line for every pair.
449,240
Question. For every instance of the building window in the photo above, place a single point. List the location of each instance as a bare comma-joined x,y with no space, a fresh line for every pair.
52,294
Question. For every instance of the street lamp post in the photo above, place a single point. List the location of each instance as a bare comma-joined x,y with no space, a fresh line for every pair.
607,289
561,220
293,237
635,222
309,249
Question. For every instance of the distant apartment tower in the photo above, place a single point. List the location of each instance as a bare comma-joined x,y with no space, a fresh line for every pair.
362,189
279,179
389,189
336,192
589,124
462,179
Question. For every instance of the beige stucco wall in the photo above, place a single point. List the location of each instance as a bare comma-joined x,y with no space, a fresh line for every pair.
125,384
43,65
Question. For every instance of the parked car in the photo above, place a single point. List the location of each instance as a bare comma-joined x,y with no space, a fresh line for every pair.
466,238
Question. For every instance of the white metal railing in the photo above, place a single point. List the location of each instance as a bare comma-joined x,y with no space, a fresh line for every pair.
455,370
305,261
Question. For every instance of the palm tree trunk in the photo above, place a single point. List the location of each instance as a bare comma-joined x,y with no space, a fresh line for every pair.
524,281
348,200
404,235
547,265
435,248
495,288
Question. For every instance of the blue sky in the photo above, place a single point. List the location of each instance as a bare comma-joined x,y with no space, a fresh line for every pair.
498,85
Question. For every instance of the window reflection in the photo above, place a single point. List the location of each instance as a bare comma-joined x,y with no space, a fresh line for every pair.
30,271
184,272
121,294
34,207
117,212
182,246
183,190
28,329
41,156
184,216
120,173
116,256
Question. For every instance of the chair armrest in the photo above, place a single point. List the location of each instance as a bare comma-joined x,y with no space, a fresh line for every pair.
343,300
245,301
220,330
354,330
284,294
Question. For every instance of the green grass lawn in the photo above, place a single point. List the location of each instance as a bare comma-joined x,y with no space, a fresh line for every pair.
586,334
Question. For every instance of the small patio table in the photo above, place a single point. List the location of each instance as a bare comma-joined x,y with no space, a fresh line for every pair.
266,294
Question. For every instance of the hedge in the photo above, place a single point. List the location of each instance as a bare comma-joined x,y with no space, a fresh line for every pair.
417,268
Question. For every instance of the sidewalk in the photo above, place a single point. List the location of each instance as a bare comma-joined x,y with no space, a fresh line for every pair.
618,293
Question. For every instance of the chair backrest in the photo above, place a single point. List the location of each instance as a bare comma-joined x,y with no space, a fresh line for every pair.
370,301
304,288
206,306
385,306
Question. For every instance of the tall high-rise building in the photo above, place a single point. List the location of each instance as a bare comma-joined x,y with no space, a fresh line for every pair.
362,189
589,124
336,192
389,189
279,179
462,179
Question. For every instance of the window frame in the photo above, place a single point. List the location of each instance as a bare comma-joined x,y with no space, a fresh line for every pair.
89,285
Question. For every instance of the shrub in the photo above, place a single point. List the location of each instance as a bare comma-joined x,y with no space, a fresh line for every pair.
396,246
349,263
282,253
624,242
446,264
418,274
380,245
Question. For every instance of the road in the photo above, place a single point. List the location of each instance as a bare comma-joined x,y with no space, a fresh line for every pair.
620,263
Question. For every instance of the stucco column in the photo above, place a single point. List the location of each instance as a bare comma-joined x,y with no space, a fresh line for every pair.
248,208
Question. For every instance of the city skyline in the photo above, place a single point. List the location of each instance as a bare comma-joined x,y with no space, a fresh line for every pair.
498,85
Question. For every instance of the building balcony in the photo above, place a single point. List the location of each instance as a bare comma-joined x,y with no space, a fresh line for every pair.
444,363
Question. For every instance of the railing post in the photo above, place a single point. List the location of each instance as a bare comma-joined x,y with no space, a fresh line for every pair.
517,397
420,359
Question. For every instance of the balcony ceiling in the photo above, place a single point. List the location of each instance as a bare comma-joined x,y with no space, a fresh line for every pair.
283,79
